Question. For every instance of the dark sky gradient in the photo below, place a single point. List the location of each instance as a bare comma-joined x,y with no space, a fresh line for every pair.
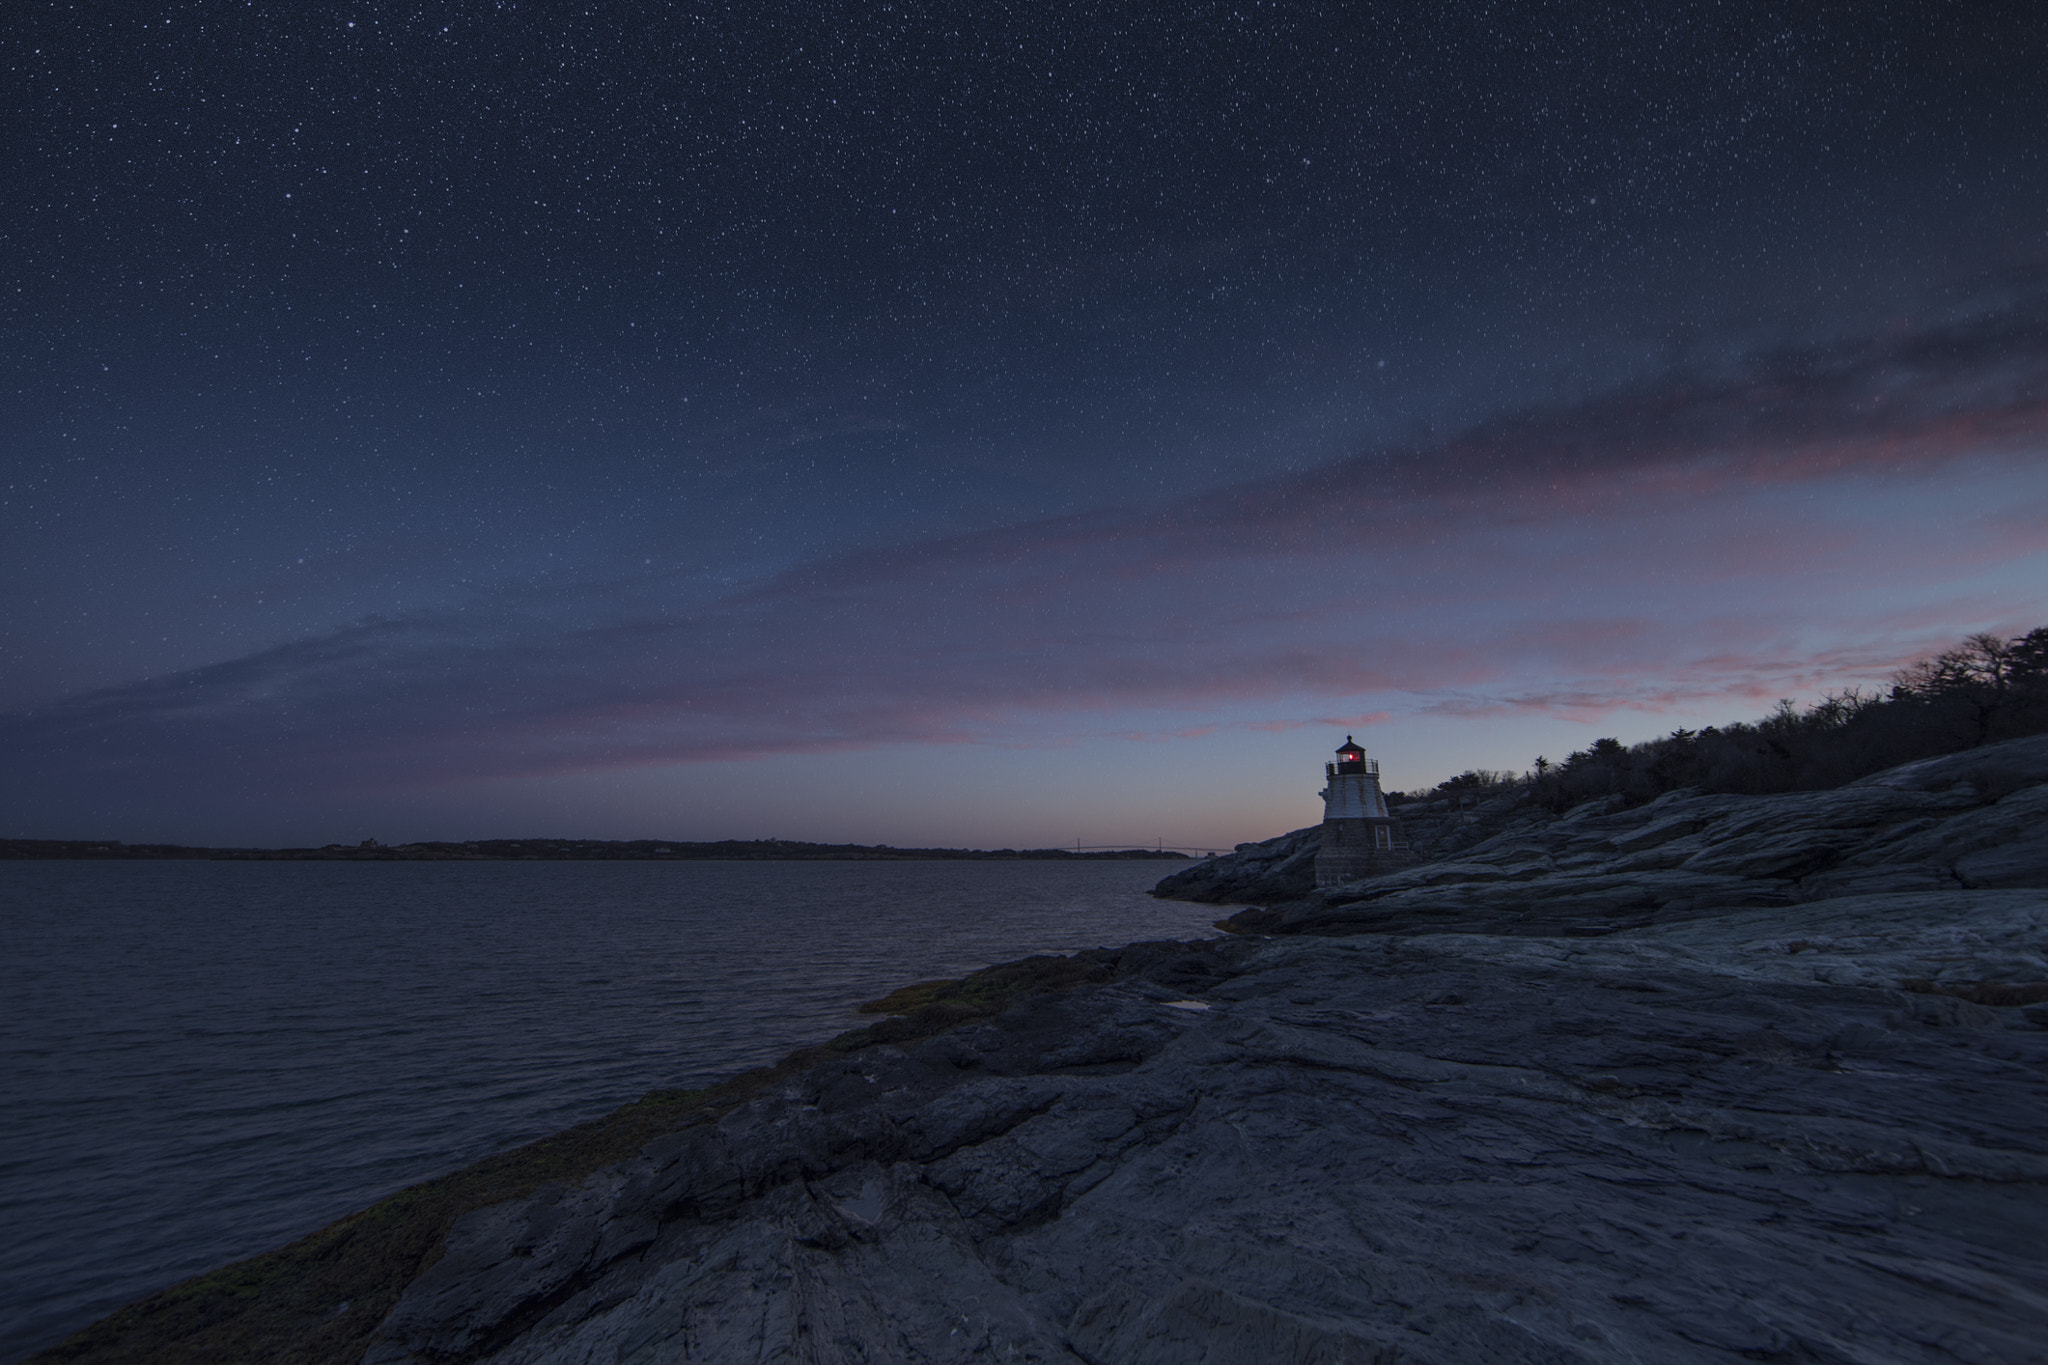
983,423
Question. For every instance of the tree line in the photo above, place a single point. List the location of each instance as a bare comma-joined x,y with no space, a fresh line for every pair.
1986,689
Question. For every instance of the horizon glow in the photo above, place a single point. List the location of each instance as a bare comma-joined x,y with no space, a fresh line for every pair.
682,447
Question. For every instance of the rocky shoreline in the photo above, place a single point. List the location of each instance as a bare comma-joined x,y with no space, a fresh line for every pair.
1713,1079
1973,820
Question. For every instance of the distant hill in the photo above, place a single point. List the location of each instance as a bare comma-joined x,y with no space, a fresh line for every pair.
568,850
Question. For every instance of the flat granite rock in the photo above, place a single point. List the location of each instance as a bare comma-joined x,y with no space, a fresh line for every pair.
1814,1132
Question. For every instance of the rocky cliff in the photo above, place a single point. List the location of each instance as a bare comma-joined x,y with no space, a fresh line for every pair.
1277,869
1786,1100
1970,820
1282,869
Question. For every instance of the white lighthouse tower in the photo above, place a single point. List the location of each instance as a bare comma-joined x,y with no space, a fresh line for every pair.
1360,838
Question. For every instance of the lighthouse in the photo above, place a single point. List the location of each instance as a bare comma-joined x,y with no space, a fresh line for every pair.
1360,839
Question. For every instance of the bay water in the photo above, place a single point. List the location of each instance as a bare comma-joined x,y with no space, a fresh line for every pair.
204,1060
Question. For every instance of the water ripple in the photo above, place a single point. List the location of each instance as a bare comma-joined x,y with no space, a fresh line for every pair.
206,1060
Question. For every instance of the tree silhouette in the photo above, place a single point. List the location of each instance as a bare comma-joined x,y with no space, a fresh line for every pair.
1987,688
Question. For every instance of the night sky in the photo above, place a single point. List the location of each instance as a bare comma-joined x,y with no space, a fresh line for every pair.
983,423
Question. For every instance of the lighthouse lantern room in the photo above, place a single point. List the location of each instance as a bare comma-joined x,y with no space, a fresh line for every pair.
1360,837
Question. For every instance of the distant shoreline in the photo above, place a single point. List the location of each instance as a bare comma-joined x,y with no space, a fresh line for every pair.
566,850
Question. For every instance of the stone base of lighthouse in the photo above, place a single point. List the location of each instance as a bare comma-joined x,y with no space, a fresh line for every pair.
1354,849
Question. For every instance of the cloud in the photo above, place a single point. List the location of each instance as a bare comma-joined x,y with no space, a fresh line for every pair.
1910,400
1683,539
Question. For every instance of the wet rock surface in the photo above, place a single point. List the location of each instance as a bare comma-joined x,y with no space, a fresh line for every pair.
1790,1133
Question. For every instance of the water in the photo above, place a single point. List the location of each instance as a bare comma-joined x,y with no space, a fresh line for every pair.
205,1060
